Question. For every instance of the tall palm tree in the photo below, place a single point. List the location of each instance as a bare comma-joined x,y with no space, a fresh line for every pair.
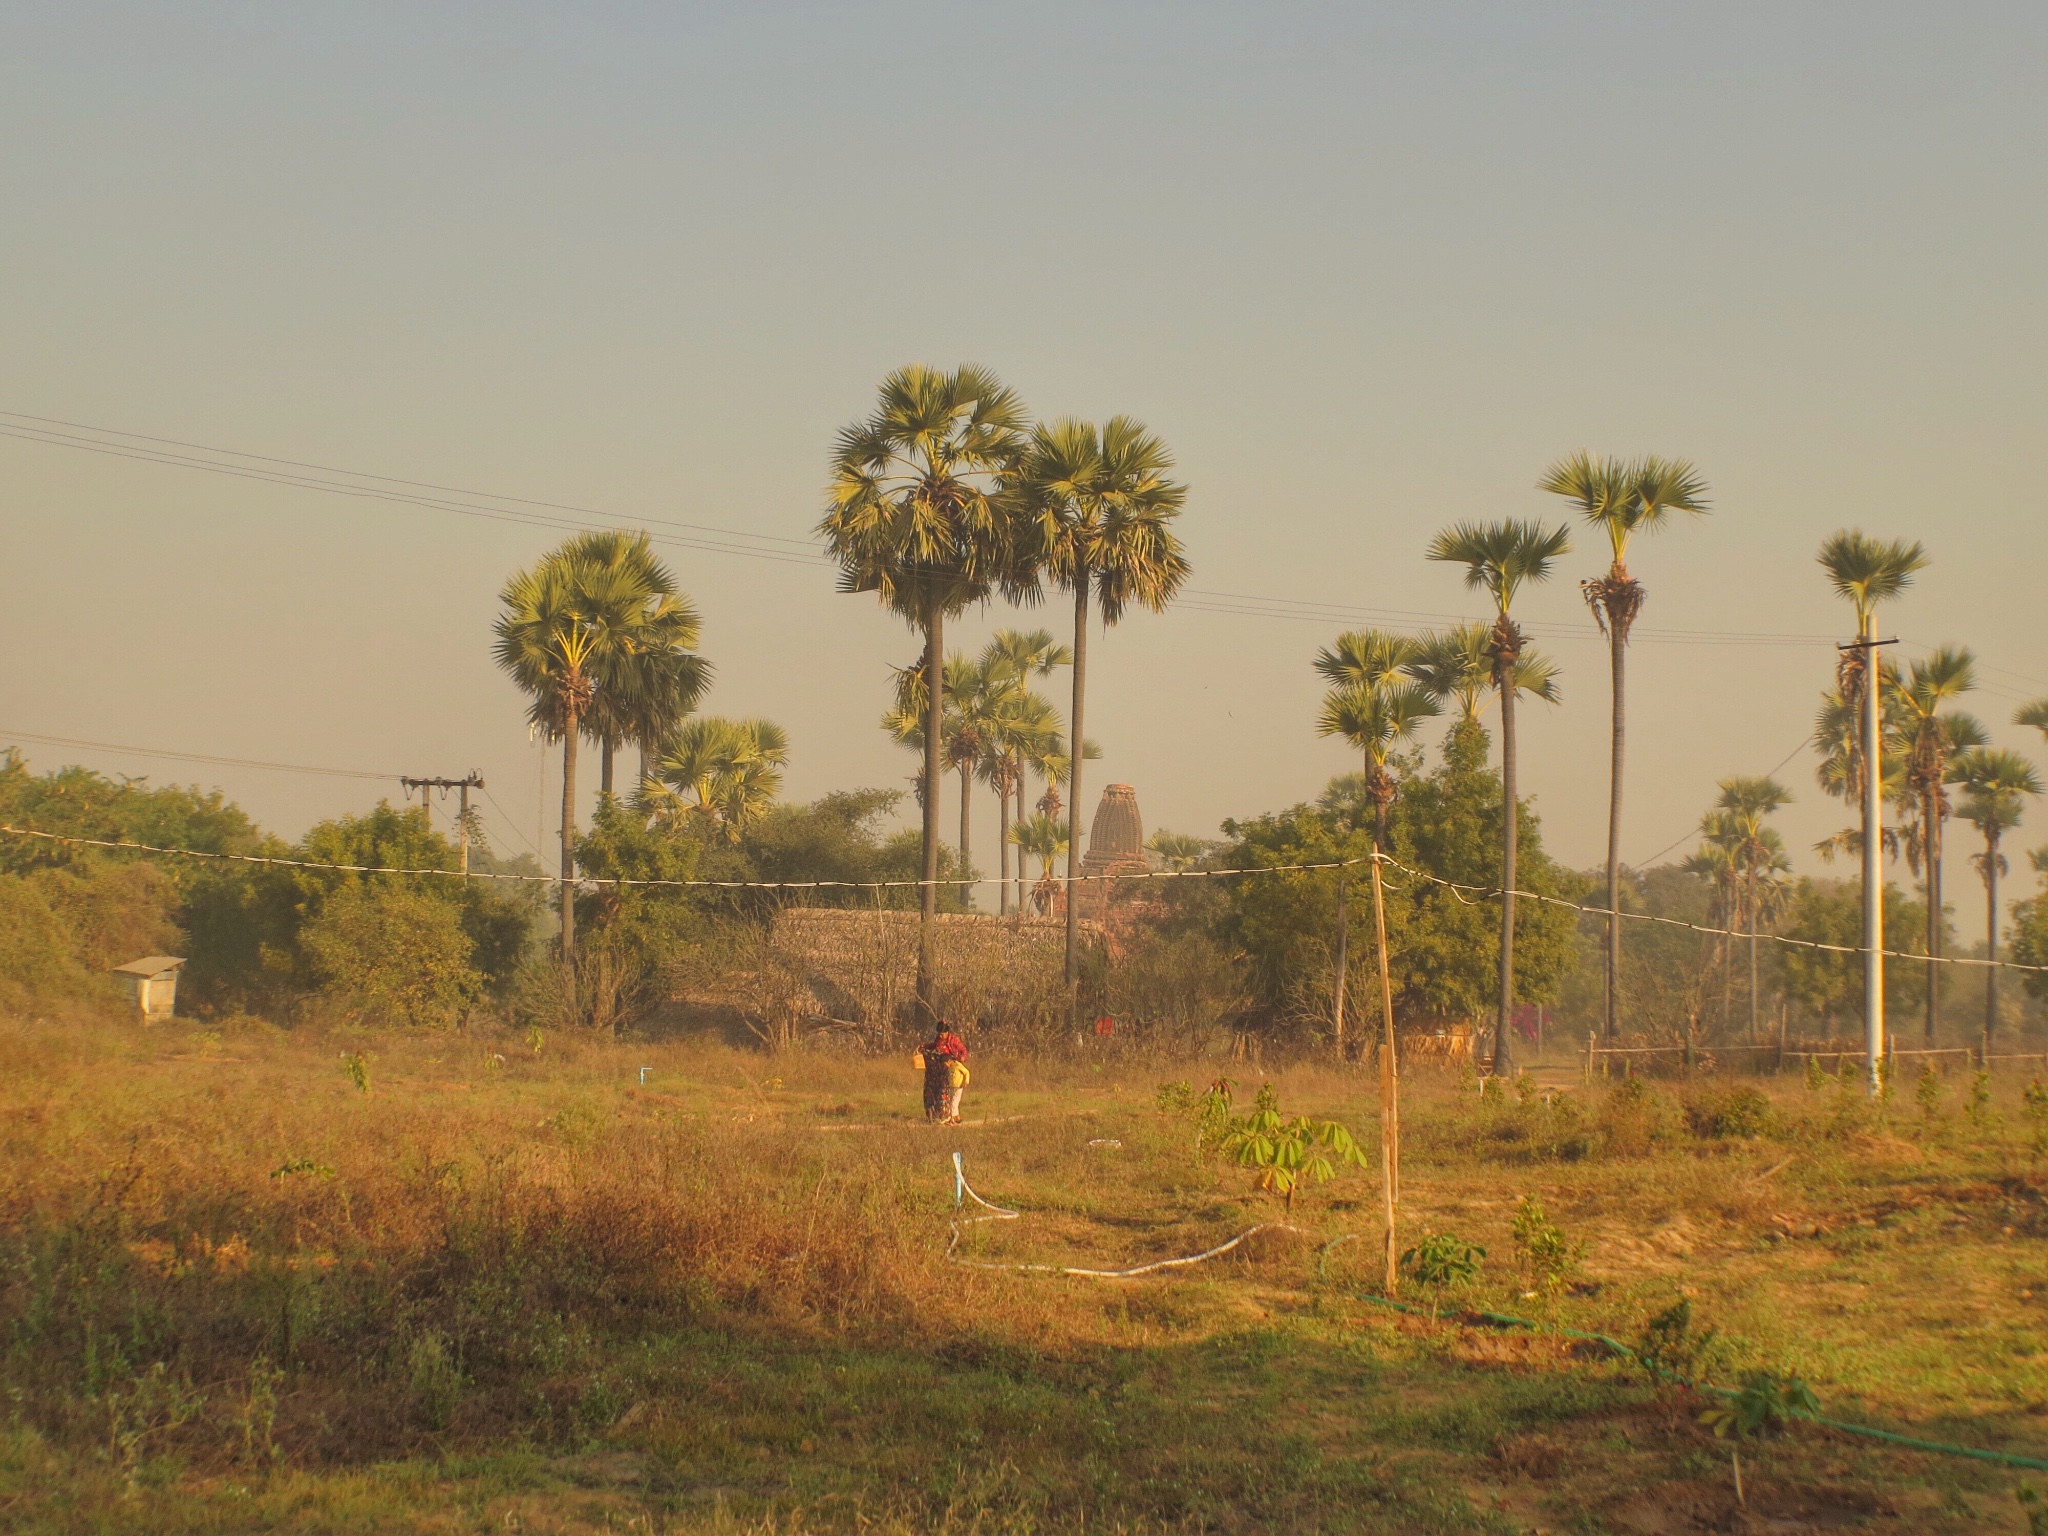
1498,558
1103,510
918,515
1622,498
566,623
1718,861
1759,851
1995,786
1033,725
1934,735
1867,572
641,694
1367,658
1178,851
718,775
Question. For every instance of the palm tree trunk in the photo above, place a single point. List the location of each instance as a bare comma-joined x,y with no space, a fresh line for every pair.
1075,744
1618,653
1752,957
1503,1051
569,837
1023,880
1930,821
928,892
1873,868
1003,845
966,802
604,767
1990,939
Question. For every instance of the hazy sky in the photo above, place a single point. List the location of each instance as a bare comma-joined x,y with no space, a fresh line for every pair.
1366,268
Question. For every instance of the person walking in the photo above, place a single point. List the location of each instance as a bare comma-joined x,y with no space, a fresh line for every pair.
938,1056
956,1084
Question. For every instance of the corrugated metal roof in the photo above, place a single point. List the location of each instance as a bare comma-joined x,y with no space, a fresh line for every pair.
151,965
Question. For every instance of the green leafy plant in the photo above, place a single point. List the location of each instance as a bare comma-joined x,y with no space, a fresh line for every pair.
1175,1098
356,1067
1764,1405
1741,1114
1440,1261
297,1165
1816,1075
1544,1257
1285,1152
1927,1092
1979,1112
1212,1113
2035,1097
1671,1349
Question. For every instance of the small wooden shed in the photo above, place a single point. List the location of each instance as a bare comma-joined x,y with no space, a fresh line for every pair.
153,982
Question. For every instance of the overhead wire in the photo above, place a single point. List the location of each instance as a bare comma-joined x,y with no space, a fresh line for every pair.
192,757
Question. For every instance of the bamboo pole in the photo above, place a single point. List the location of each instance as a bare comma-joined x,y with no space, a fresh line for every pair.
1390,1107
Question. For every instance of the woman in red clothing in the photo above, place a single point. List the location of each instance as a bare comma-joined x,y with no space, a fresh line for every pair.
936,1057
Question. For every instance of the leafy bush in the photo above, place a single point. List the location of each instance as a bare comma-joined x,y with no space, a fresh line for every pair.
1738,1114
391,954
1545,1258
1671,1349
1439,1261
1766,1404
1631,1119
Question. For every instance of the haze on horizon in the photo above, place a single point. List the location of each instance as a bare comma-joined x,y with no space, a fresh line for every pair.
1366,268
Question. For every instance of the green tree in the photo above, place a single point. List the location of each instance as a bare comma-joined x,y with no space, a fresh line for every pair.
1498,558
640,693
1995,785
718,775
393,954
1866,572
569,623
1027,730
1102,511
1621,498
918,515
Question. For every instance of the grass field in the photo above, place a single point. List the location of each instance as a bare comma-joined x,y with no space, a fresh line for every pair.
258,1280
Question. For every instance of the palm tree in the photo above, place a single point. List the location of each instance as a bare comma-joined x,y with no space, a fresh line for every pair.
1045,837
1867,572
918,515
1178,851
640,694
1103,510
719,775
1995,786
1718,860
1622,498
568,622
1367,658
1759,852
1455,666
1933,737
1498,558
1031,724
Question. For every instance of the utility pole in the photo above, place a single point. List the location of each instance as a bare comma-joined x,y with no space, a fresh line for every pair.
1874,1044
465,785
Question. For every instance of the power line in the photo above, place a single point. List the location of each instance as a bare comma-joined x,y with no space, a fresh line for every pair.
708,538
193,757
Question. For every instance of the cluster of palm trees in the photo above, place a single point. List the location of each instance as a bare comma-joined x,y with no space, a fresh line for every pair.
1744,862
996,731
1901,719
604,645
1382,686
948,494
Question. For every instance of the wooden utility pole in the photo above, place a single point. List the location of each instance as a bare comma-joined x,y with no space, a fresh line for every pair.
425,786
1390,1107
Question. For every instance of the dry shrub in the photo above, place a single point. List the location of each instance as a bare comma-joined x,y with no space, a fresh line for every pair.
421,1257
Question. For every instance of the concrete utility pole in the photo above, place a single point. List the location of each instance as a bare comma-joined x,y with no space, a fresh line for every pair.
1873,855
474,781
